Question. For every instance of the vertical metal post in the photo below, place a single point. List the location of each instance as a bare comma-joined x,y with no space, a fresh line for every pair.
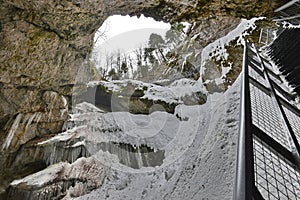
267,40
244,183
260,36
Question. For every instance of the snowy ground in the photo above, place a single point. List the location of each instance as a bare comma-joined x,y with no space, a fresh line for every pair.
200,158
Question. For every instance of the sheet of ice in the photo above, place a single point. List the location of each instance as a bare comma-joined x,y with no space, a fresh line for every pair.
156,130
198,141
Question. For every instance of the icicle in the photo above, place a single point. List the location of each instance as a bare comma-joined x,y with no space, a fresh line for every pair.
65,102
7,125
62,112
139,158
49,116
31,118
52,155
146,160
37,152
12,131
38,117
26,117
74,153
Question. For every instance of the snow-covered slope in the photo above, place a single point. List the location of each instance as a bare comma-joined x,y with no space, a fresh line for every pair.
204,170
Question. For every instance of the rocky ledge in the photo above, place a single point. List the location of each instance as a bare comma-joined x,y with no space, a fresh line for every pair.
143,98
60,181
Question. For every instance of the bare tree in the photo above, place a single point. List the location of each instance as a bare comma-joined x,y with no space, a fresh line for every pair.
157,42
101,34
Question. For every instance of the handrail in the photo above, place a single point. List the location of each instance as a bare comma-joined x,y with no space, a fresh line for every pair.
245,174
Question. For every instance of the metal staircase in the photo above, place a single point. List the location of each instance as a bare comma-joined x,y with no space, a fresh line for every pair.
268,152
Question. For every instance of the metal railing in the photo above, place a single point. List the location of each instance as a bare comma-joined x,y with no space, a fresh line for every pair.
289,12
268,151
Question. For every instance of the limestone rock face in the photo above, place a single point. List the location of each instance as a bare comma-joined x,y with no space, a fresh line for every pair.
40,114
43,119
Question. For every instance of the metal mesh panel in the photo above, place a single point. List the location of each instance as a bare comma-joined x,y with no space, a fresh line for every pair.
294,121
265,116
275,177
257,76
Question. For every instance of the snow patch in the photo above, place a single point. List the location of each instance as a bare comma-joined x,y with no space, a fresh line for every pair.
42,177
76,132
217,48
289,25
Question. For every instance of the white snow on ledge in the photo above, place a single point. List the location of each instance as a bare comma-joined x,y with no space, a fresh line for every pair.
76,132
63,171
42,177
217,48
289,25
174,93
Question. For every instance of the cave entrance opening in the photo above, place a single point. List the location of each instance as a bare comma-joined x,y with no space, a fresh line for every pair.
129,47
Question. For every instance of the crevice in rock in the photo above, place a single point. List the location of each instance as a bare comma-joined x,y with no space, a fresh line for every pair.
46,29
60,36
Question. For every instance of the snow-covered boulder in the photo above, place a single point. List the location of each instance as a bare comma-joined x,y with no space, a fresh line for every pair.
58,181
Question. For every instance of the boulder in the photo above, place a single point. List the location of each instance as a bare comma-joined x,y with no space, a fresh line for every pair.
62,180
